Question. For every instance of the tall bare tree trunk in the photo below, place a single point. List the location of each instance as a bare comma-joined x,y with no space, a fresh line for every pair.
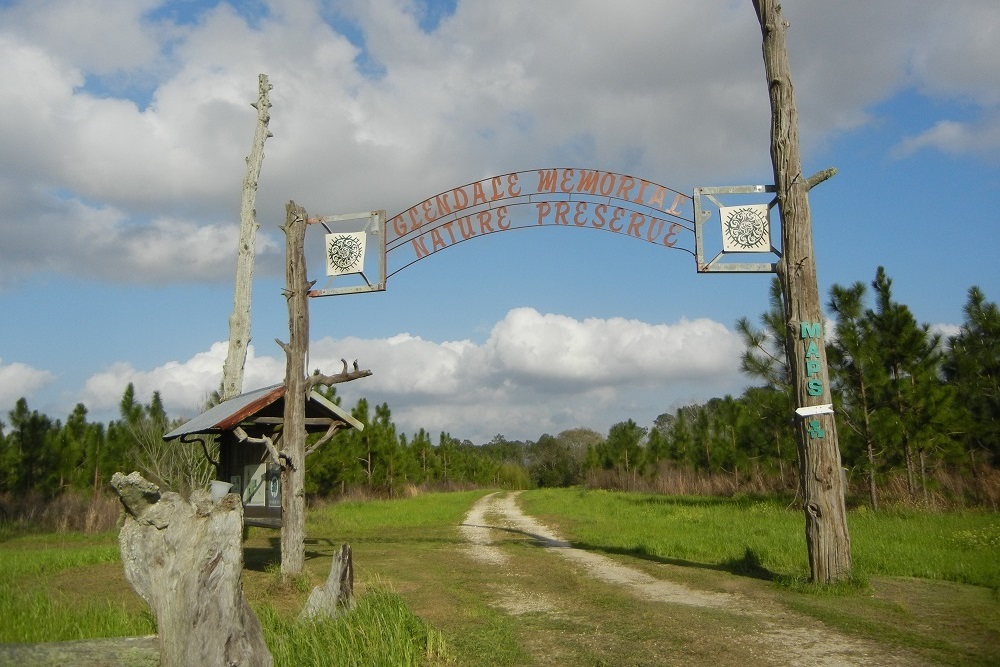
293,437
820,469
239,321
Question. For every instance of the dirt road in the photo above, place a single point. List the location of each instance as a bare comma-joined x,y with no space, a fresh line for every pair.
756,630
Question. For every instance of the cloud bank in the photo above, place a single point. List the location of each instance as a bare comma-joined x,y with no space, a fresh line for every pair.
534,373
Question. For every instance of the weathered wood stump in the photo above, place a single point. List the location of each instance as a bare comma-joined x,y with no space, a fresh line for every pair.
338,591
185,558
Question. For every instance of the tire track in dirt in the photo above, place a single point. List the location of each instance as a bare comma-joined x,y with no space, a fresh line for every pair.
796,640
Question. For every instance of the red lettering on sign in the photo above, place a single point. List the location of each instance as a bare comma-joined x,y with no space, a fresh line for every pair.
581,209
428,217
496,183
399,226
565,184
615,217
657,199
502,221
484,222
607,184
447,228
436,241
588,181
442,204
544,208
678,200
672,231
512,185
642,188
465,228
654,230
461,198
599,212
635,223
546,180
624,187
562,208
478,195
419,248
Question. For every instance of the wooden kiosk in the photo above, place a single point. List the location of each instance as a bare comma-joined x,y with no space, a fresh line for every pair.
241,424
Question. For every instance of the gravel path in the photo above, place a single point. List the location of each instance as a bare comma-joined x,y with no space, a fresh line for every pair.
792,640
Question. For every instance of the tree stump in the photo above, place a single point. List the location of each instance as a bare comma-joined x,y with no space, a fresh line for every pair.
185,558
337,593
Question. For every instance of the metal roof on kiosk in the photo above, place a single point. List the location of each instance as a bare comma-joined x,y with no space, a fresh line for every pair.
229,414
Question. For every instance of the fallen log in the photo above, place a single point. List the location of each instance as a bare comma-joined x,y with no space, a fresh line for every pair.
111,652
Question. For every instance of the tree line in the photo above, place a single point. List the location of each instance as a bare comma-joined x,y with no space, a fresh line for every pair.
911,405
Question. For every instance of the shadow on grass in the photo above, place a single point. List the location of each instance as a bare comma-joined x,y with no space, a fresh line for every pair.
748,565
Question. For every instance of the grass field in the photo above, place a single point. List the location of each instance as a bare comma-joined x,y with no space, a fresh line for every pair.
928,583
737,533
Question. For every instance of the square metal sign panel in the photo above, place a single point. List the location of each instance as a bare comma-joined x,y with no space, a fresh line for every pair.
345,253
746,228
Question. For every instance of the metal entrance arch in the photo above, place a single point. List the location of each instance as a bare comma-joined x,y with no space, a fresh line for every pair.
562,197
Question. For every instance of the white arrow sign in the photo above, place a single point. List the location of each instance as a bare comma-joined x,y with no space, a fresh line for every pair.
809,410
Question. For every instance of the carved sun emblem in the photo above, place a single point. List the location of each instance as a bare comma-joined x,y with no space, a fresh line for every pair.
746,228
344,252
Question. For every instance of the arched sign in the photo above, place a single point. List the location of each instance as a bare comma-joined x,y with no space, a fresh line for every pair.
581,198
557,197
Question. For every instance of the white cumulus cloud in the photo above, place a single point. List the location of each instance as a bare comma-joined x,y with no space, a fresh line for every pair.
18,380
534,373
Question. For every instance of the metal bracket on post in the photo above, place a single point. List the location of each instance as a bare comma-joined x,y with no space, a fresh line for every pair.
347,249
744,229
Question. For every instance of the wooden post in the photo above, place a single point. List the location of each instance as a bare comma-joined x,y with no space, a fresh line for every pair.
239,321
820,472
185,558
293,436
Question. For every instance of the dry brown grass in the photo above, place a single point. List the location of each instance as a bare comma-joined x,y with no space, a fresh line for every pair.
946,489
70,511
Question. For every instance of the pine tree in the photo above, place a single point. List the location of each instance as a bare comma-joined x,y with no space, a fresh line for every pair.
910,357
765,357
854,369
972,366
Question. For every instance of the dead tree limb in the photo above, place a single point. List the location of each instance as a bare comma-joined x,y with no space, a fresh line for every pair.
333,429
239,321
819,177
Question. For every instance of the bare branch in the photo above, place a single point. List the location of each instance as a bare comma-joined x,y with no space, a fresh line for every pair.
283,346
280,458
343,376
330,432
819,177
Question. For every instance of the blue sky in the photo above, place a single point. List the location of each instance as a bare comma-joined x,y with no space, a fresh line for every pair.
126,124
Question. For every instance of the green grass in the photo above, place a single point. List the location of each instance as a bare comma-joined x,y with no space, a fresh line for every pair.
432,515
380,631
421,600
31,613
765,538
926,583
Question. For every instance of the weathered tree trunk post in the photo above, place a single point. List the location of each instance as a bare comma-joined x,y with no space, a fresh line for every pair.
820,470
186,561
239,321
337,594
293,437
